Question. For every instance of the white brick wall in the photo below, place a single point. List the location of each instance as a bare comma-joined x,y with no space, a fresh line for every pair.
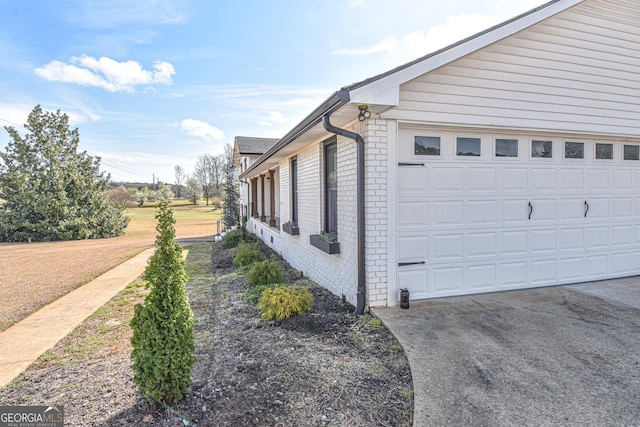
338,273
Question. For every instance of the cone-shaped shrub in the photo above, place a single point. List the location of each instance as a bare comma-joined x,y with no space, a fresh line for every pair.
163,346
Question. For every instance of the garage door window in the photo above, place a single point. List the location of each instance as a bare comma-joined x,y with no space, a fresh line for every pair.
541,149
506,148
468,147
604,151
427,145
574,150
631,152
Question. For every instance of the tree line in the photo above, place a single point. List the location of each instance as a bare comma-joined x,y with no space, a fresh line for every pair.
49,190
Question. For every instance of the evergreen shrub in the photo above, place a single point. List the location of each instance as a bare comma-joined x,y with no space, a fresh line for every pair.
282,302
234,237
265,273
247,254
163,344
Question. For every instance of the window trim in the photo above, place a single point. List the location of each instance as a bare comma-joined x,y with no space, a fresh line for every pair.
330,209
293,176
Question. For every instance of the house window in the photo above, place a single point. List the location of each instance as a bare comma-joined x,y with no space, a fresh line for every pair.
427,145
541,149
331,187
468,147
604,151
632,152
294,190
574,150
506,148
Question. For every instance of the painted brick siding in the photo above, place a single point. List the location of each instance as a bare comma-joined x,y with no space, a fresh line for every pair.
339,273
374,132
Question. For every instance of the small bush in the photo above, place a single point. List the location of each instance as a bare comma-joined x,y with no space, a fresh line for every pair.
247,254
284,301
265,273
237,236
252,296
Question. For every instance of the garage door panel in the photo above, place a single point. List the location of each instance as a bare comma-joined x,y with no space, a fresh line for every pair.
620,264
544,210
543,179
571,180
543,241
542,272
513,179
481,277
448,213
513,274
413,249
447,179
416,281
597,237
596,267
597,179
514,211
412,179
571,269
481,212
621,179
572,209
413,214
514,243
622,207
621,235
571,239
448,247
447,280
482,245
481,179
598,208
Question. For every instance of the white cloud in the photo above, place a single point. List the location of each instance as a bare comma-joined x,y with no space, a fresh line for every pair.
275,117
106,73
202,130
419,43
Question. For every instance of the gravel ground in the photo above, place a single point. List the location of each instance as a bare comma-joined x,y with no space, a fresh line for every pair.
326,367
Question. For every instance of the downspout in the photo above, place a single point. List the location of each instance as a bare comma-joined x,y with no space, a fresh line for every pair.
360,296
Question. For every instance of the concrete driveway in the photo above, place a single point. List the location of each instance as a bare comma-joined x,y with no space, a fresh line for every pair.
567,355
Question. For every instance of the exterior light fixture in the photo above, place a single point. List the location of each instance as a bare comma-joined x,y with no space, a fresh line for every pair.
364,112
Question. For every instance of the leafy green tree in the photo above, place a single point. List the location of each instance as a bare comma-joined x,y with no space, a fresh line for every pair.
231,208
51,191
163,345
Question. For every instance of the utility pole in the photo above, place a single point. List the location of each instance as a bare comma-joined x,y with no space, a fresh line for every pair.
154,182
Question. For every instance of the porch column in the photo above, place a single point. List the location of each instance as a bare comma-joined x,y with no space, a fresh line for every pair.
254,197
263,217
272,199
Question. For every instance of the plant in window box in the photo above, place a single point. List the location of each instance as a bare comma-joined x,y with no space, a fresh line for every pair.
325,242
290,227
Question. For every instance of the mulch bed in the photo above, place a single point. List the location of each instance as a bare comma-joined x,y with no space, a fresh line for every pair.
324,368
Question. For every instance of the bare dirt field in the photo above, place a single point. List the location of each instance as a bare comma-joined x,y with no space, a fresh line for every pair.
33,275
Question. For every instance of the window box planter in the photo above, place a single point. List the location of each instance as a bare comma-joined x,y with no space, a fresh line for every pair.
292,229
329,246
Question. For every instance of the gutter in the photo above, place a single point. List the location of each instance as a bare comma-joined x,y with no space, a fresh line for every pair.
360,296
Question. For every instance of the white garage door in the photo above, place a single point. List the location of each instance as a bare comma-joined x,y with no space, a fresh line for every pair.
481,213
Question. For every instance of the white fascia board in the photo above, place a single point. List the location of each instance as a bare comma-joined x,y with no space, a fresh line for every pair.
386,90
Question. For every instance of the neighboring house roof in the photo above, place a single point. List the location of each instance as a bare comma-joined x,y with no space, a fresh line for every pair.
383,91
248,145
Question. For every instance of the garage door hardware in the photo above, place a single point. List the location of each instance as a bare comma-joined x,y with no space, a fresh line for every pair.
411,164
402,264
530,210
586,208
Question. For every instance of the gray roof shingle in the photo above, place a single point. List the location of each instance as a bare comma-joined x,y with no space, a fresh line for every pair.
252,145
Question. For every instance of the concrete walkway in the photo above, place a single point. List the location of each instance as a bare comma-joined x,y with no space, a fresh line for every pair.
24,342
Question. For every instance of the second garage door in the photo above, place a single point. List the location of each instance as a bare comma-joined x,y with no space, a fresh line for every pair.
479,212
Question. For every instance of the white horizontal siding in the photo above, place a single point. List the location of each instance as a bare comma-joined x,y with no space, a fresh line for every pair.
578,71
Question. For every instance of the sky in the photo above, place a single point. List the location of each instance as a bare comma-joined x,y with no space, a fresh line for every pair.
151,84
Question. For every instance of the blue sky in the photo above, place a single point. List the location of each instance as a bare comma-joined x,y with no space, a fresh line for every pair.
151,84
